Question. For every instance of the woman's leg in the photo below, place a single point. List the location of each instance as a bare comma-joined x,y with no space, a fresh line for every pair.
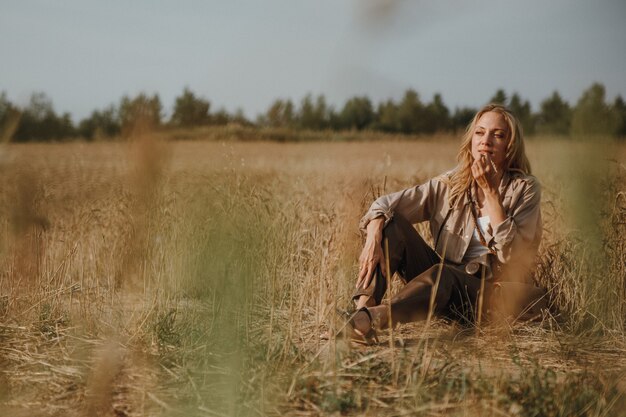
456,296
409,255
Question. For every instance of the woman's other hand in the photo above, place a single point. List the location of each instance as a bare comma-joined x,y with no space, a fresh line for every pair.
372,253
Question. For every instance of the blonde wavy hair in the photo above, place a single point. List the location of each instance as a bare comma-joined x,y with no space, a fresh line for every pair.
461,177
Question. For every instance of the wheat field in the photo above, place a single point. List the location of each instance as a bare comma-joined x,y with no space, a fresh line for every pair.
195,278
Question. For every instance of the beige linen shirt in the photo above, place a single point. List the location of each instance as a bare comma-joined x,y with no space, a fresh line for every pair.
515,240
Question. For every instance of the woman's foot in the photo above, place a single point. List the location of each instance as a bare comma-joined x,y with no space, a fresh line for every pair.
359,327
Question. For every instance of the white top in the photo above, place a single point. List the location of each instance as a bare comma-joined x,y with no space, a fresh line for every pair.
475,248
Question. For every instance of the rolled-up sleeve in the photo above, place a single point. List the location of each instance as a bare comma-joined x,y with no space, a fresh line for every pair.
520,232
415,204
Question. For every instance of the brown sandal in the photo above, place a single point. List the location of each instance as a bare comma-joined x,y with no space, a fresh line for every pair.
352,333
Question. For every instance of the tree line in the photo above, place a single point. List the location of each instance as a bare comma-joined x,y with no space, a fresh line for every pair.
38,121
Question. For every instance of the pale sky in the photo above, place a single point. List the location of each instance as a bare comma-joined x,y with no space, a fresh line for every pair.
86,55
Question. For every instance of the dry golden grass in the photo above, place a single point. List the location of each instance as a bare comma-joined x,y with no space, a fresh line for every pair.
194,278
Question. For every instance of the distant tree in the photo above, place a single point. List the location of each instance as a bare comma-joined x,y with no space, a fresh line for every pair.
274,114
357,113
240,118
555,116
140,114
34,119
288,114
311,115
40,106
619,107
499,97
322,112
190,110
592,116
306,113
221,117
333,119
387,117
39,121
64,126
5,104
280,114
462,117
411,113
9,118
100,124
523,112
437,115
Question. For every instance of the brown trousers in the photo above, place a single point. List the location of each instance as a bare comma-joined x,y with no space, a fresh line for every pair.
457,295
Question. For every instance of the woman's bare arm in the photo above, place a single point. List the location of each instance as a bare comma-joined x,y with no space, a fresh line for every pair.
372,253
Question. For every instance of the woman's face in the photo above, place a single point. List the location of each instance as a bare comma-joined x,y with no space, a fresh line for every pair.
491,137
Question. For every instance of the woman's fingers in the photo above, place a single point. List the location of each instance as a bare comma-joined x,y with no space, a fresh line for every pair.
371,270
362,274
482,172
480,168
364,280
476,171
368,268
